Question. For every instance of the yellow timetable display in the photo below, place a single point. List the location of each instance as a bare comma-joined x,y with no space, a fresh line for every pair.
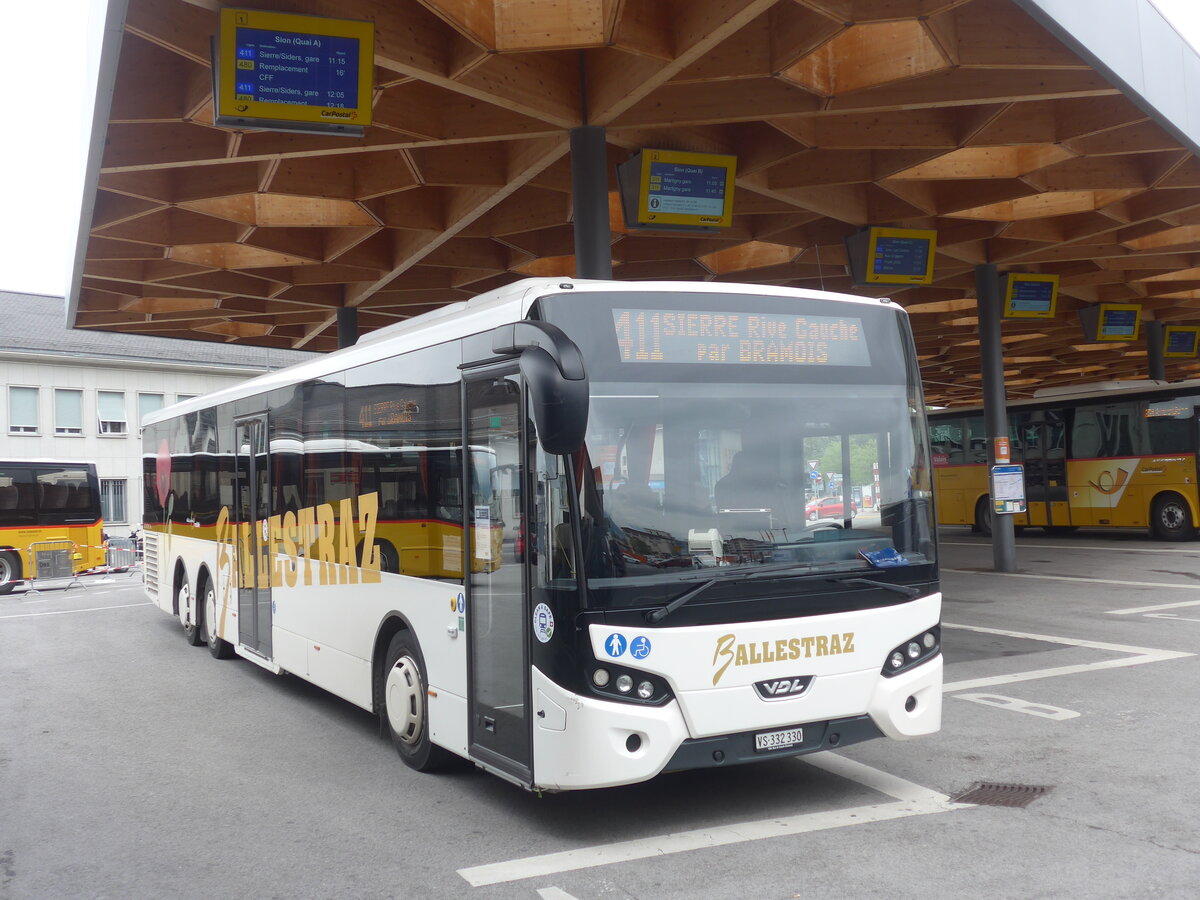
674,190
293,72
684,336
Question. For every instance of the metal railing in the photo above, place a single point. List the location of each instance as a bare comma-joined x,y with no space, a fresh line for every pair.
52,561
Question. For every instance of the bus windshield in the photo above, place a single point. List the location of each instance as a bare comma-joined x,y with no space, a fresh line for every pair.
817,461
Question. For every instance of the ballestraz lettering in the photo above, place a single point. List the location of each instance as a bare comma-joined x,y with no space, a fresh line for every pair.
730,652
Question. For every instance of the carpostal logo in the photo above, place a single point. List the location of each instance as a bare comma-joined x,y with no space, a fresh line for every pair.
338,114
729,652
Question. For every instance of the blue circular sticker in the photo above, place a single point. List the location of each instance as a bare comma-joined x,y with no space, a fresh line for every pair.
639,647
543,623
614,645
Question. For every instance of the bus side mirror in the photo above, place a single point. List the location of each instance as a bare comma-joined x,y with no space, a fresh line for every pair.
558,383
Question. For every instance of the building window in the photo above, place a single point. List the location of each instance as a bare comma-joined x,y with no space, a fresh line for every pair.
110,408
112,500
179,398
23,410
68,411
148,403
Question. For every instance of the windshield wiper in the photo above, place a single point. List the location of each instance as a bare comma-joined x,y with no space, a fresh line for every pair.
904,590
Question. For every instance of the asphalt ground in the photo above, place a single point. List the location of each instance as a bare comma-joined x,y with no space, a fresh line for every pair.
133,765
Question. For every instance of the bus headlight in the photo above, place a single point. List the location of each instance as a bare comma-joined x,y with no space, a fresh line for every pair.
914,651
627,685
645,690
600,677
624,684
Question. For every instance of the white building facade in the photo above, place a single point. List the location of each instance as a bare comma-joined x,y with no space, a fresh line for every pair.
80,395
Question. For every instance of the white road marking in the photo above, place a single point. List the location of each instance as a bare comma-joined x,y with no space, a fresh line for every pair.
1118,549
1170,616
1136,656
1156,608
910,800
553,893
67,612
1043,710
1080,579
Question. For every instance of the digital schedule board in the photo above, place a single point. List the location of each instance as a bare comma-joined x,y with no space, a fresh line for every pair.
1030,296
1181,341
290,72
891,255
677,191
1111,321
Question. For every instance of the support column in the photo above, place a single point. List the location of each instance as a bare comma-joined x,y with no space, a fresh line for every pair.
995,412
589,189
1155,333
347,326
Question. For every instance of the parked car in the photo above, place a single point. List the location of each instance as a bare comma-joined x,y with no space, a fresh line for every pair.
828,508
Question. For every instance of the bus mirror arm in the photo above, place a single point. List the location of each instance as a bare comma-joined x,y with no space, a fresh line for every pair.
559,405
558,383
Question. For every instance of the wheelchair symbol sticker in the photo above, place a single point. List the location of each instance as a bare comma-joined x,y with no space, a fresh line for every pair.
615,645
639,648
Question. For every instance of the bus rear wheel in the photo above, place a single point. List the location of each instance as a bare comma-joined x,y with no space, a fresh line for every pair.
1171,519
10,572
983,517
405,707
217,647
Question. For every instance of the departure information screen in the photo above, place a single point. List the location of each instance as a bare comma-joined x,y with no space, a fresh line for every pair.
300,69
739,338
900,256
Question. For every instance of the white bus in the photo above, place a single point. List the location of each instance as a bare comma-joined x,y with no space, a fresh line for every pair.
559,530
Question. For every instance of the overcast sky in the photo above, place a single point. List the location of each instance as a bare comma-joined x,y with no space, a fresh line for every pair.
42,154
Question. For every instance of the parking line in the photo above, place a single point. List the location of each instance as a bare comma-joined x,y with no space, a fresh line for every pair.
1156,608
1077,579
67,612
909,800
1136,656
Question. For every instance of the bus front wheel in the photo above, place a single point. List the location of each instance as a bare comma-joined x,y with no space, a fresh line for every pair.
10,572
1170,518
219,648
405,707
189,615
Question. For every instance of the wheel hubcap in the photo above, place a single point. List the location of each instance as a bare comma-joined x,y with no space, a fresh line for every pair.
1172,516
185,606
210,615
403,698
6,572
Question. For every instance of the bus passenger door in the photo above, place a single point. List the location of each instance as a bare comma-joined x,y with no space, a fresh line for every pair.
252,500
498,619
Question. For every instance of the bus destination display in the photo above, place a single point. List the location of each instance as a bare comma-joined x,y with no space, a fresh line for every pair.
298,69
739,338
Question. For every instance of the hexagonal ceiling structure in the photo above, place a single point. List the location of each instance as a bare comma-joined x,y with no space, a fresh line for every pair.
965,116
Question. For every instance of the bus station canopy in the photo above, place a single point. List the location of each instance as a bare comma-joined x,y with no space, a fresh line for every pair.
980,119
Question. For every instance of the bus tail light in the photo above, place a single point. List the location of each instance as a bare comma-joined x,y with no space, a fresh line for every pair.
914,651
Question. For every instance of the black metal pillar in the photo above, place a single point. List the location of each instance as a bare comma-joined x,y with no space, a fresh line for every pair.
1155,334
589,188
347,324
995,413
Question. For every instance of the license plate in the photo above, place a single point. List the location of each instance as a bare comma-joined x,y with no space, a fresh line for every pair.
777,740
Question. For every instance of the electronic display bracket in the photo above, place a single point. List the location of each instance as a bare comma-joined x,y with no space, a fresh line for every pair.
297,73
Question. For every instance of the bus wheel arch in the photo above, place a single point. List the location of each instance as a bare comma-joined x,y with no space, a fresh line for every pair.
10,570
404,704
1171,517
184,605
206,591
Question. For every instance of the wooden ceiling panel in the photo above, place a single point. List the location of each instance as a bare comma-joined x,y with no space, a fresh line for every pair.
961,115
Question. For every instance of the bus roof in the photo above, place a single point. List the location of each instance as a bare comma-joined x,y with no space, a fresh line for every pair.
1075,393
482,313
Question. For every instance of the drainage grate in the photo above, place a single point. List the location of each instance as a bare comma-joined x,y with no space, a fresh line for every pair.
987,793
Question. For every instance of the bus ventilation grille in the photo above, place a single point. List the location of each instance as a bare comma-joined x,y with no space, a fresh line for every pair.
987,793
150,562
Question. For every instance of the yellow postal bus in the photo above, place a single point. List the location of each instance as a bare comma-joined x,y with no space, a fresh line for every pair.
1116,454
45,500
